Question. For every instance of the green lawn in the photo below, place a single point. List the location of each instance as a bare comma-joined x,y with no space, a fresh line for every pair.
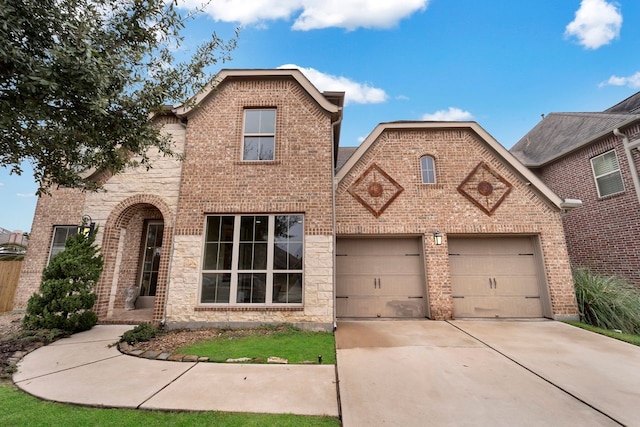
631,339
20,409
289,343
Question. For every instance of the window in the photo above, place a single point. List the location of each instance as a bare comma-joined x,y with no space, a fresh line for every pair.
428,168
606,172
60,235
253,259
259,134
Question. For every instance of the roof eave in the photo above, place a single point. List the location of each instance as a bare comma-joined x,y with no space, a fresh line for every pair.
183,110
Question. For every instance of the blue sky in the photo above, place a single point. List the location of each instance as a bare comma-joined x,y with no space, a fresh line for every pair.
501,63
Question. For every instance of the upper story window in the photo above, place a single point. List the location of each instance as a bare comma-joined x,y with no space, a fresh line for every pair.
253,259
606,172
60,235
259,134
428,167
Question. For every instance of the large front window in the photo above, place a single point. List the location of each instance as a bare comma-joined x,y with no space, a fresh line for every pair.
253,259
259,134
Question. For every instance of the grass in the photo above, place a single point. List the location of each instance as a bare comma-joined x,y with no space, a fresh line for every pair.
607,301
20,409
287,342
630,338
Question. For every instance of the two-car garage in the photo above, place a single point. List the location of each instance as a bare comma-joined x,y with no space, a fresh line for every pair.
491,277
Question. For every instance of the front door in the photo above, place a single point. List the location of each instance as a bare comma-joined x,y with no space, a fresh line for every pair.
150,263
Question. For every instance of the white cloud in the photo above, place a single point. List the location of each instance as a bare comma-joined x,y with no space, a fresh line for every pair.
361,139
596,24
352,14
453,114
1,184
25,195
312,14
359,93
631,81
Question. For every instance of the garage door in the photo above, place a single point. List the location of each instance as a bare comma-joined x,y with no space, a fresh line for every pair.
494,277
380,278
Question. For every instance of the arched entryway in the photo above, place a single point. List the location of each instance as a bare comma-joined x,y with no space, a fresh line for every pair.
136,249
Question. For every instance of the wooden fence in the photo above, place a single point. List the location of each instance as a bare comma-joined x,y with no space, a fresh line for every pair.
9,275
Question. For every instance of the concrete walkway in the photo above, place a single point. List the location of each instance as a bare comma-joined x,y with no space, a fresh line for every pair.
498,373
86,369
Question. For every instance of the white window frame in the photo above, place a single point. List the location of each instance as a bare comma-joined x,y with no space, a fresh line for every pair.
433,164
246,134
53,239
269,271
616,171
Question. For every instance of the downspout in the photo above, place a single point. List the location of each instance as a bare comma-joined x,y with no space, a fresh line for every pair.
632,166
333,209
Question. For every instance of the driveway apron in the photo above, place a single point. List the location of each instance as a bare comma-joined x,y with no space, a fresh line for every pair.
470,373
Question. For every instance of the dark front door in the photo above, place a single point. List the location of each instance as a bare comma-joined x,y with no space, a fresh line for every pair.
150,263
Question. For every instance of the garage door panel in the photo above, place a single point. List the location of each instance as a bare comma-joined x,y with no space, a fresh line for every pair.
377,265
520,285
380,277
503,307
494,277
470,265
401,307
471,285
358,306
400,284
355,285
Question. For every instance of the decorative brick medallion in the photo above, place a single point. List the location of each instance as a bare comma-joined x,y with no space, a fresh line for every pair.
485,188
375,190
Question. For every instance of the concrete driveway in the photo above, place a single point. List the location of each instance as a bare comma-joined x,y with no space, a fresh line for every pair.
497,373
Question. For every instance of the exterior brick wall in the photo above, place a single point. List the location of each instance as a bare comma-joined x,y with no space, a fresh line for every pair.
423,208
215,180
63,206
602,235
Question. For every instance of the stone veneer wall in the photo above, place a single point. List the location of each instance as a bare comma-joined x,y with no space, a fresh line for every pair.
423,208
215,180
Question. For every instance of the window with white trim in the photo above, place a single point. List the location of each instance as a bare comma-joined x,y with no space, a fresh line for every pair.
259,134
60,235
253,259
428,167
606,172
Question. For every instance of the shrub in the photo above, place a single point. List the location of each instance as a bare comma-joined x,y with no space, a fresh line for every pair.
607,301
66,292
142,332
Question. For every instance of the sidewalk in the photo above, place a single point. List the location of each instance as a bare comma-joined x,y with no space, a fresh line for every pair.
85,369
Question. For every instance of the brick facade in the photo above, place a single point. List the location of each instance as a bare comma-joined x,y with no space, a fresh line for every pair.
603,234
423,208
212,180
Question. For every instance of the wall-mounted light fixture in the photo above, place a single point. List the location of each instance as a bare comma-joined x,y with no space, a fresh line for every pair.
87,225
437,238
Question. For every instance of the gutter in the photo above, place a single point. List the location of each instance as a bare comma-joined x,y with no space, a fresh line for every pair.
632,166
333,211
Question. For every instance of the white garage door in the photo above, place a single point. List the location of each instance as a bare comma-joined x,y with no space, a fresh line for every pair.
380,277
494,277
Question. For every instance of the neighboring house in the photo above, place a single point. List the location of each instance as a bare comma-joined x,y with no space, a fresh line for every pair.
594,157
267,220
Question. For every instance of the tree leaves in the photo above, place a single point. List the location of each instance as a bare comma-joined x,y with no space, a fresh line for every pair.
80,78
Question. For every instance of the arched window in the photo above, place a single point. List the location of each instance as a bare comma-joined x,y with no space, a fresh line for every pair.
428,167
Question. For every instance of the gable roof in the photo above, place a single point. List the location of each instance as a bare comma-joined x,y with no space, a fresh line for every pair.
331,101
559,134
629,105
494,146
343,155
